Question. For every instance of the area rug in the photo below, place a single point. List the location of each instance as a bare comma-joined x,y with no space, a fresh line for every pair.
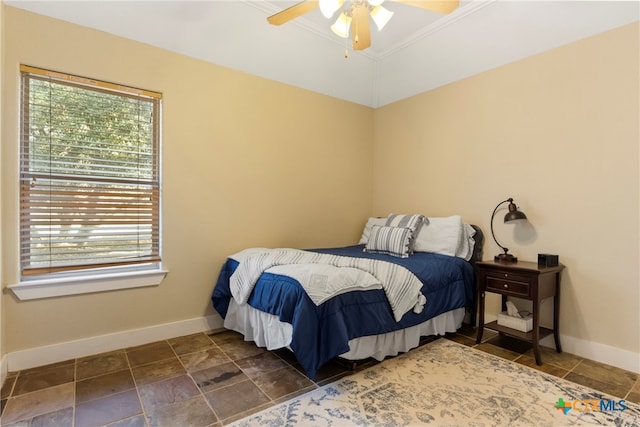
444,383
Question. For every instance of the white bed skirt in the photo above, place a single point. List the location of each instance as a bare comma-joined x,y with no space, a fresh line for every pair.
266,330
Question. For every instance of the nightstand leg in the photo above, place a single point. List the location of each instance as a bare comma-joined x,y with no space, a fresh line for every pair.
556,315
480,317
536,331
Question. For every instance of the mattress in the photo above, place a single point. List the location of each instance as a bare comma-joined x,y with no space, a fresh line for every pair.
319,333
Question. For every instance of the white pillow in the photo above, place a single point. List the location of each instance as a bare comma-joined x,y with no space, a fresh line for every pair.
467,244
442,235
367,228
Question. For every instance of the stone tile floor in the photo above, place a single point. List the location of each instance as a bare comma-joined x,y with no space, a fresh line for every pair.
215,379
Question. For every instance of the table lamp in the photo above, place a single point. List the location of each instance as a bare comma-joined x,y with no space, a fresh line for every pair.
513,215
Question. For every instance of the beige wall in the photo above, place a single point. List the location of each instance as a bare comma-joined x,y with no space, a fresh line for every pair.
558,132
246,162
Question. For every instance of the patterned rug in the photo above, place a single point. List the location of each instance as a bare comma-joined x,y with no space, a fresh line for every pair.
444,383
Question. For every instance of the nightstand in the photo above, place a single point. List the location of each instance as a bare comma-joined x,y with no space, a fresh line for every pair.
524,280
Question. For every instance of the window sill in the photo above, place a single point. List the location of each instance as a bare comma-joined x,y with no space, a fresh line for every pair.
48,288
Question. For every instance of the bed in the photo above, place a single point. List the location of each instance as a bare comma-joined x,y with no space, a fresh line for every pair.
332,302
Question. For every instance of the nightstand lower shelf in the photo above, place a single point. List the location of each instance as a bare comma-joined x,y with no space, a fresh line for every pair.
525,336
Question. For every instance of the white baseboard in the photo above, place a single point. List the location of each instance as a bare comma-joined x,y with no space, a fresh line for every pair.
39,356
624,359
614,356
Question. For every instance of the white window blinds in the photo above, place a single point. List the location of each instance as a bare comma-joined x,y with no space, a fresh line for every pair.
89,174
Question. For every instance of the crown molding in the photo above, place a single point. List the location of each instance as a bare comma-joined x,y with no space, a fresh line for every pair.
447,20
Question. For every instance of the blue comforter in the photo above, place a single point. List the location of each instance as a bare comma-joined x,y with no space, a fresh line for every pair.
322,332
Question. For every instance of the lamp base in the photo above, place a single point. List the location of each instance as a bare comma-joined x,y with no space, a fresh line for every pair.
505,258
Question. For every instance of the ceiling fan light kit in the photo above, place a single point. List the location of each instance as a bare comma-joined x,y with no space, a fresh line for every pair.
354,18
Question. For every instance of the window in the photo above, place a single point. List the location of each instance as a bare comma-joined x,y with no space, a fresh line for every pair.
89,176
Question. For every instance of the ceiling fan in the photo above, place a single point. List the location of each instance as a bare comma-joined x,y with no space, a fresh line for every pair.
355,17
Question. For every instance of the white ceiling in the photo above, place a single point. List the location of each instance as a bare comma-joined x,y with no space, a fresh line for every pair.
417,51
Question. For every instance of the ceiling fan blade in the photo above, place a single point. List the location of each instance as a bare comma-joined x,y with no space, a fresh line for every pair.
361,33
292,12
441,6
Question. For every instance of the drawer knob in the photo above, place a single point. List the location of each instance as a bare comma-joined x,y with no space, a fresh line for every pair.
506,275
506,286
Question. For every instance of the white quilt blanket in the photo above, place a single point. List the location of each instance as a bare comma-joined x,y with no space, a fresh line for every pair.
323,281
401,287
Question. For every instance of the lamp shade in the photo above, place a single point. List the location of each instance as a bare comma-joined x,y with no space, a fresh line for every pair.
329,7
381,16
514,214
341,26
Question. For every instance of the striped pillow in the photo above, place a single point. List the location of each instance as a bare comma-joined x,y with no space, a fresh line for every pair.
389,240
412,222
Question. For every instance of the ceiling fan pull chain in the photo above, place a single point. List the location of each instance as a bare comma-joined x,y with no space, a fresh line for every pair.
346,48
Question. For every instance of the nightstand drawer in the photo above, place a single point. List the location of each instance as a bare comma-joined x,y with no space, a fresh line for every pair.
509,284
